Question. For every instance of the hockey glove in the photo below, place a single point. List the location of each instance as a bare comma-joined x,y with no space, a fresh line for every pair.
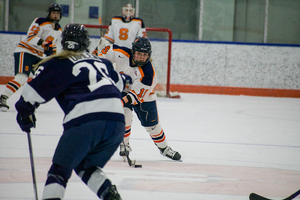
48,49
26,123
25,117
127,82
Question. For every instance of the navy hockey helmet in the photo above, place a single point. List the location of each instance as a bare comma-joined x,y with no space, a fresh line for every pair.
75,37
54,7
141,44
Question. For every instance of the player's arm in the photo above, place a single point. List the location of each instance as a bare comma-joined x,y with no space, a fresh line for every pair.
103,43
142,31
34,37
34,34
108,53
139,92
143,85
109,35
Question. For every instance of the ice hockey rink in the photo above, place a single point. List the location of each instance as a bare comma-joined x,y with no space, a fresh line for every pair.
230,146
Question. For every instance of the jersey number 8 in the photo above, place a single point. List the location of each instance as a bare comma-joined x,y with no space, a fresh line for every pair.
123,34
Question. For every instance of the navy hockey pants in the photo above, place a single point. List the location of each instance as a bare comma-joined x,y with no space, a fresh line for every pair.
89,144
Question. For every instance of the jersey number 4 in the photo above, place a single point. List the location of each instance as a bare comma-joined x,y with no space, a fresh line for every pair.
94,73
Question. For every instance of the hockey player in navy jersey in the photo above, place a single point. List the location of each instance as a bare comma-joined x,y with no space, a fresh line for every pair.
88,90
40,42
141,98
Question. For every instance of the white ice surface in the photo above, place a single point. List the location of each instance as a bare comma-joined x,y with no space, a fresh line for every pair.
230,146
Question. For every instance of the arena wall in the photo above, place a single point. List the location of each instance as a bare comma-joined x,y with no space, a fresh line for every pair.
216,68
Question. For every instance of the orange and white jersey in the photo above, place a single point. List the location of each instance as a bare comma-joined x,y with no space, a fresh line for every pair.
143,77
123,33
41,28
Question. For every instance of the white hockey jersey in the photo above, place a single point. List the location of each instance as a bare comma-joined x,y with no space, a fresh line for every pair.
143,77
41,28
123,33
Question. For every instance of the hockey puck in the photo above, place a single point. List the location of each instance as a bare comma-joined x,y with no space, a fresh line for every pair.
138,166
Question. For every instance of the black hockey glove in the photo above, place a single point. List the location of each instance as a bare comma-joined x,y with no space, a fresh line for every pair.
25,117
48,49
26,123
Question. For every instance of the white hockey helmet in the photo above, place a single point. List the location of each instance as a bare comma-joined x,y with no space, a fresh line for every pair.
128,12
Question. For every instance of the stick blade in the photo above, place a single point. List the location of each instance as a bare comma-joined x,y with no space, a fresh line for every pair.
254,196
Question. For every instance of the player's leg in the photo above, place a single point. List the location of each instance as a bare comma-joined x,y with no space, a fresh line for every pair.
56,182
85,148
128,122
23,67
90,169
73,146
148,115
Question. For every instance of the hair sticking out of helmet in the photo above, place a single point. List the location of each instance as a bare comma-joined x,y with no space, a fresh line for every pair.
75,37
128,12
54,7
141,44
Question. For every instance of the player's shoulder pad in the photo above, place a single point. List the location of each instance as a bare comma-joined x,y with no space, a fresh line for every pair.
41,20
126,51
106,62
117,18
138,19
149,73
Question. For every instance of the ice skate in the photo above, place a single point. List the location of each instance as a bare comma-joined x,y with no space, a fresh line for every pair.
170,153
3,105
112,194
124,153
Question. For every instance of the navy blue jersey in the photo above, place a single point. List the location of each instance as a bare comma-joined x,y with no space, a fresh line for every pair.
86,88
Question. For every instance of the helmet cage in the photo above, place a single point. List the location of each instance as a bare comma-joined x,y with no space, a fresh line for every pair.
141,44
75,37
128,12
54,7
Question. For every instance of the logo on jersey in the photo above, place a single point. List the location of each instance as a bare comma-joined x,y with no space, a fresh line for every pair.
71,44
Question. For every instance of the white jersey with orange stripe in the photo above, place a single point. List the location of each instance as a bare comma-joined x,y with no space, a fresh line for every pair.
143,77
123,33
41,28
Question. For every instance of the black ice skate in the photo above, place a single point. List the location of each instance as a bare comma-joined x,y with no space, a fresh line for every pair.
170,153
3,105
112,194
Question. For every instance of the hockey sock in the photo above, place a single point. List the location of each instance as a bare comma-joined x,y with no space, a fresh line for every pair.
96,180
127,134
14,85
56,182
158,136
128,122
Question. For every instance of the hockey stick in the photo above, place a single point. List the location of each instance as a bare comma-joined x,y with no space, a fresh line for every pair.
131,163
254,196
32,165
100,23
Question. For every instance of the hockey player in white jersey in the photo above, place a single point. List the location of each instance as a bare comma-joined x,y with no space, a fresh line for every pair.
141,98
40,42
123,29
88,90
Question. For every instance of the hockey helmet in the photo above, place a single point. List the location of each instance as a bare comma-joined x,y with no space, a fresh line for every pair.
75,37
54,7
128,12
141,44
